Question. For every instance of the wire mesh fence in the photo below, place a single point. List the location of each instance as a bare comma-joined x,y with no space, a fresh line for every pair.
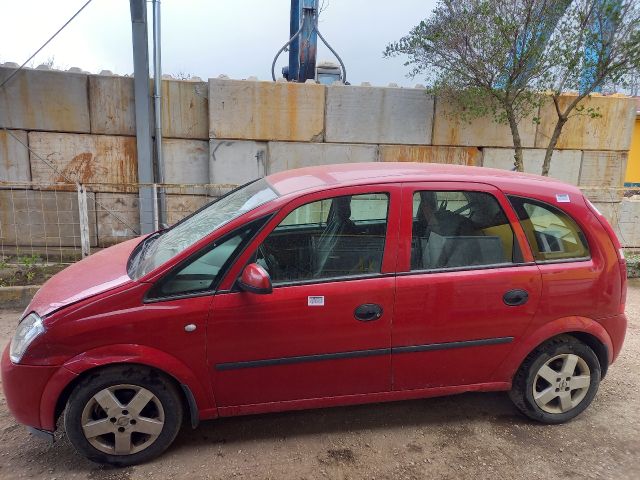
60,223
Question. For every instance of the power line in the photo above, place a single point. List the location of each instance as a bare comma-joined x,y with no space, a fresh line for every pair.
39,157
44,44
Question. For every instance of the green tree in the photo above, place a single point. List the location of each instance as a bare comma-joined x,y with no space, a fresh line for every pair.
506,58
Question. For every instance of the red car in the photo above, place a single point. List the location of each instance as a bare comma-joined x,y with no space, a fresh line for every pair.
326,286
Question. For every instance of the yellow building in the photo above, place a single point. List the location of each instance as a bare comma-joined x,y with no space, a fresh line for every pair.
632,177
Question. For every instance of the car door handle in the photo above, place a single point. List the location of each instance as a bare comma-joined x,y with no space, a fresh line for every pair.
368,312
515,297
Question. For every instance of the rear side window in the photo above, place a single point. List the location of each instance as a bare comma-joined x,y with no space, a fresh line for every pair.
553,235
460,229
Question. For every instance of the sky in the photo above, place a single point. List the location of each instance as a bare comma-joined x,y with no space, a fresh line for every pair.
207,38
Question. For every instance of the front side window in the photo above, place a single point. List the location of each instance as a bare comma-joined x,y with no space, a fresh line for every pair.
162,247
453,229
204,272
336,237
551,233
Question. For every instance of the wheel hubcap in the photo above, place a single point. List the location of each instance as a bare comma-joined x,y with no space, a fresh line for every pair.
561,383
123,419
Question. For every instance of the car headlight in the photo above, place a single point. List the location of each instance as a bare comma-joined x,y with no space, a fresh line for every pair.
28,330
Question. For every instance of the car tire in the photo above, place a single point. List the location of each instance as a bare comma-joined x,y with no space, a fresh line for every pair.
123,415
557,381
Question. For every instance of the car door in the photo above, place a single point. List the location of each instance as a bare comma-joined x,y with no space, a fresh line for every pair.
325,329
467,285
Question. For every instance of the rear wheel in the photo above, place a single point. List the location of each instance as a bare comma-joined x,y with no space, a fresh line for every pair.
557,381
123,415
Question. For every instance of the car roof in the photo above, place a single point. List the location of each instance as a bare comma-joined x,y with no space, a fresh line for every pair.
351,174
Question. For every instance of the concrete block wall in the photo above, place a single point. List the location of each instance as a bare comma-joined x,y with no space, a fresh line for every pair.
45,100
231,131
252,110
378,115
83,126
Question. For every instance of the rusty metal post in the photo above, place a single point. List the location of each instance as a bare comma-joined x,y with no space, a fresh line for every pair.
143,113
308,41
302,51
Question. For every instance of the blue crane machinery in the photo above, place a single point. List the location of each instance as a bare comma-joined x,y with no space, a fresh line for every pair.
303,46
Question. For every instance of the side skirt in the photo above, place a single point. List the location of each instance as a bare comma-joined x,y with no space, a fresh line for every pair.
359,399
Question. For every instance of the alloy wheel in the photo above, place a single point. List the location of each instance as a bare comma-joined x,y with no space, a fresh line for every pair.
122,419
561,383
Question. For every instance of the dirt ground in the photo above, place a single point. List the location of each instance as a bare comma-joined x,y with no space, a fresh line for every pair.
466,436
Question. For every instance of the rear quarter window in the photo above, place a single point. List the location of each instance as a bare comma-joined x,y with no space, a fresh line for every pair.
552,234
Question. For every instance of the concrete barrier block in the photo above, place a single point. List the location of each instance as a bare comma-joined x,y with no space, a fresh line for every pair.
630,222
185,109
240,109
612,131
431,154
44,100
111,103
378,115
565,164
448,129
14,157
117,217
185,162
236,161
602,175
284,155
624,217
109,161
43,218
179,206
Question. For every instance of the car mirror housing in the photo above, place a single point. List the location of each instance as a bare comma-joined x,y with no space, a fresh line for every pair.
255,279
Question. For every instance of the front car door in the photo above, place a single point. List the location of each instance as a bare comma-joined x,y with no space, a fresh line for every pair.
467,285
325,330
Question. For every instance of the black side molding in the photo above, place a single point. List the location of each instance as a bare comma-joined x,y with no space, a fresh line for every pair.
449,345
361,353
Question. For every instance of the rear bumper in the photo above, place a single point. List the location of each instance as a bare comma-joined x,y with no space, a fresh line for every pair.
23,387
616,327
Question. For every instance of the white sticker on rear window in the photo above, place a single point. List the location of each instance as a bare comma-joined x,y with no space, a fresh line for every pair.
315,301
562,198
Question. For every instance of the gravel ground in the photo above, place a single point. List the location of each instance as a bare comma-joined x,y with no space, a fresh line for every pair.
466,436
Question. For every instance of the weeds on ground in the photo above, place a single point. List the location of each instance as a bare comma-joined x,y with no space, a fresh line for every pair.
27,269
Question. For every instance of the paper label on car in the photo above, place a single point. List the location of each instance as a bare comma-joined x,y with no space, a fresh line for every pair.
562,198
315,301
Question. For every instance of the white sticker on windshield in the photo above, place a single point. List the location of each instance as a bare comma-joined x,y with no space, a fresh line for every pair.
562,198
315,301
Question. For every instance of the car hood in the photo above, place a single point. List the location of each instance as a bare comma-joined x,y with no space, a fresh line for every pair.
95,274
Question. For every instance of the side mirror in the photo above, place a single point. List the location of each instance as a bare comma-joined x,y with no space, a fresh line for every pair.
255,279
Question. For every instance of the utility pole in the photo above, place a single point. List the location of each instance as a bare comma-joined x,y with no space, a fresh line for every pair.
147,205
157,108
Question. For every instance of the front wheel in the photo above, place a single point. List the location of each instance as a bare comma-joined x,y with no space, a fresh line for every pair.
557,381
123,415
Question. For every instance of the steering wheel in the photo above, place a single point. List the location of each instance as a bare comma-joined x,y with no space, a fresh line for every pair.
272,266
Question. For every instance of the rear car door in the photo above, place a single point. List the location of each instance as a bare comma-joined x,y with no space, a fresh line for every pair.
467,286
325,330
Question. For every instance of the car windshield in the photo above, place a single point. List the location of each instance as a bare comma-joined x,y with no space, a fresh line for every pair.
160,248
